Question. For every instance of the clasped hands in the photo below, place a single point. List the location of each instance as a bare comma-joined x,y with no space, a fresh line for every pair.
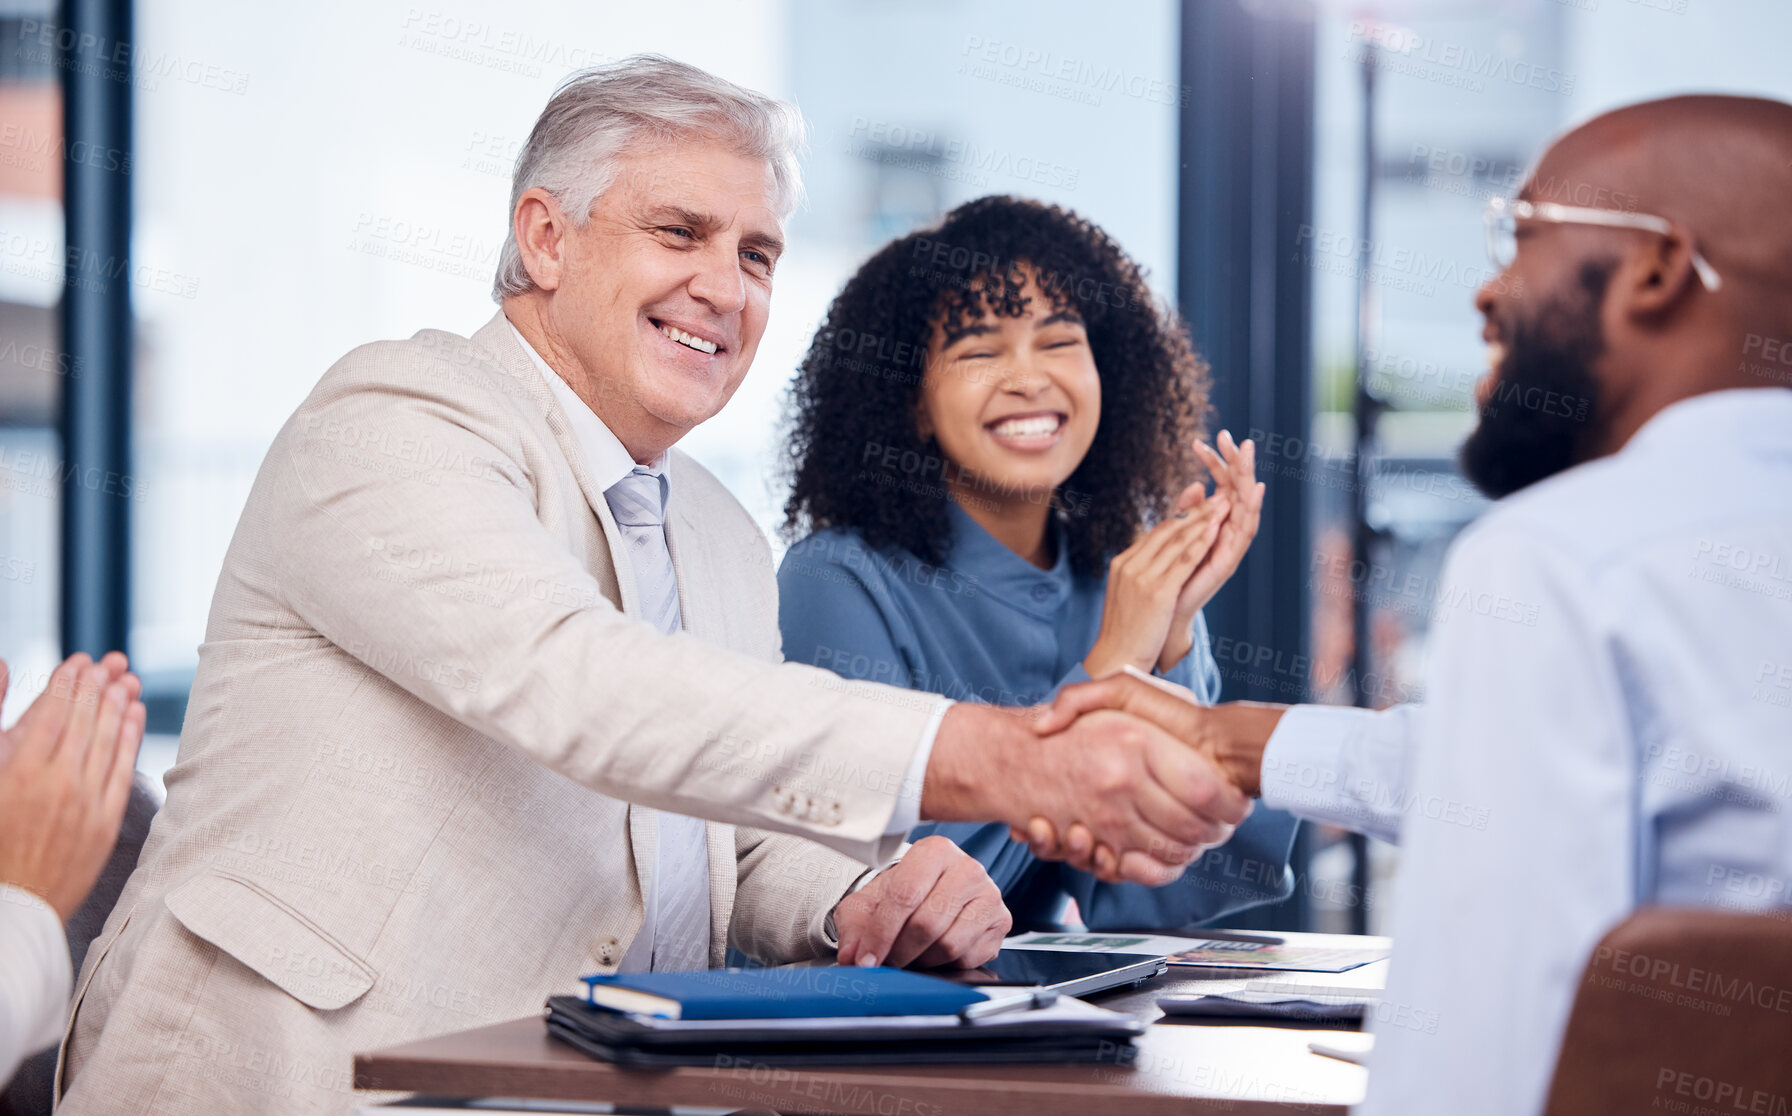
1135,781
1154,589
1220,767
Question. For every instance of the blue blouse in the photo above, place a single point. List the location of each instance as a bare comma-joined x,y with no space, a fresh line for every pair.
989,626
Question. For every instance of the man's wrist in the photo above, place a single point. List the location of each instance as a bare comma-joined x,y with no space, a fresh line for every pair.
970,751
829,929
1241,731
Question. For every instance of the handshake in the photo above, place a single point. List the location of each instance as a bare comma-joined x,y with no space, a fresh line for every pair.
1120,777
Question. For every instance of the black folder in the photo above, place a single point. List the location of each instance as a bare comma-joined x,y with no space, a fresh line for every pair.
1005,1039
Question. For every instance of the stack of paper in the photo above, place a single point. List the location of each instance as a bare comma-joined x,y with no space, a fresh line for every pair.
1315,954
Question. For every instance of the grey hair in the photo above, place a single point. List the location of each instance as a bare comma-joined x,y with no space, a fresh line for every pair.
599,113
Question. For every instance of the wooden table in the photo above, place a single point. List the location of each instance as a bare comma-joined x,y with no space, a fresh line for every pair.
1177,1068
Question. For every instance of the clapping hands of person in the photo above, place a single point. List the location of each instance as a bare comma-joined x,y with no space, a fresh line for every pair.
65,777
1156,586
1234,470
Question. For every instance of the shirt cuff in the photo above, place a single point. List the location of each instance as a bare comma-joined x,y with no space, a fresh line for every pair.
36,976
907,814
1338,765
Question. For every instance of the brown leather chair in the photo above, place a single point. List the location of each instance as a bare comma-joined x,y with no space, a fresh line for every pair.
1682,1011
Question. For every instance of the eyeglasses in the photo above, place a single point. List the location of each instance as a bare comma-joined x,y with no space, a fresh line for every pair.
1503,215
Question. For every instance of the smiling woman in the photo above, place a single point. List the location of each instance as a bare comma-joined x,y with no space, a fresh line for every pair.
988,431
1152,388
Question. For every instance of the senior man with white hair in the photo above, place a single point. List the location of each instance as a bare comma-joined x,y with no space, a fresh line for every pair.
485,649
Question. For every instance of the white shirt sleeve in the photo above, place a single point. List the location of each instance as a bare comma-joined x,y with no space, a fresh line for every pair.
35,977
907,814
1342,766
1516,852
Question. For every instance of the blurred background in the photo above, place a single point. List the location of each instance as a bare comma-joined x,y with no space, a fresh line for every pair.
204,204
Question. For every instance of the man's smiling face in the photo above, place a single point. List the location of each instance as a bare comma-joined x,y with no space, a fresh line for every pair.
664,293
1541,404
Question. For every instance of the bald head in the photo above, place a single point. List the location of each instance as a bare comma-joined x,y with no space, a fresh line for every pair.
1620,323
1721,167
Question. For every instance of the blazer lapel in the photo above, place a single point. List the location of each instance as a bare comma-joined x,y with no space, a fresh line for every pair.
498,338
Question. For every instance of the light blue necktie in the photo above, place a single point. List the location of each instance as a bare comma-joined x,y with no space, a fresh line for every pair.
679,887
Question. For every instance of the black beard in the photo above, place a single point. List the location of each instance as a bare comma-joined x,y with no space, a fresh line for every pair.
1544,412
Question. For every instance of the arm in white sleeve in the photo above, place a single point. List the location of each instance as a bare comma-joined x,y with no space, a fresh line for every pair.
35,977
907,814
1343,766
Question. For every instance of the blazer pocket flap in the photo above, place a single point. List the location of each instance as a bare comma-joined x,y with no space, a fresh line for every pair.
271,938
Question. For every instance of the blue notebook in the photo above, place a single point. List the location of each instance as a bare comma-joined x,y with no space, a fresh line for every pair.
830,991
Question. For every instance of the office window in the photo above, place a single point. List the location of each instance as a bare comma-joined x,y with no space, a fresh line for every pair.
1462,101
308,182
316,180
913,109
333,179
32,365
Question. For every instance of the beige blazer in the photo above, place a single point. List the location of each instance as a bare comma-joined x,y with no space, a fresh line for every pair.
401,804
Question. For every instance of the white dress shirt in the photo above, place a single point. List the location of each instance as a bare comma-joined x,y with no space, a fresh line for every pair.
608,461
1608,724
35,977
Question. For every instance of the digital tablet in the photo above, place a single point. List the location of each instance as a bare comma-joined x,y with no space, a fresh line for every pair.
1068,974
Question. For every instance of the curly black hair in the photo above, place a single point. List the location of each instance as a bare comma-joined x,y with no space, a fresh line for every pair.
856,457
